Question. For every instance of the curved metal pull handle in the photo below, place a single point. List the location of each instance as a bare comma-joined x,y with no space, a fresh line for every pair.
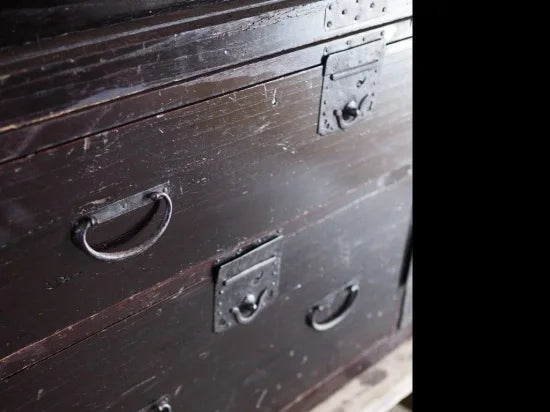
117,209
253,304
352,289
353,112
348,116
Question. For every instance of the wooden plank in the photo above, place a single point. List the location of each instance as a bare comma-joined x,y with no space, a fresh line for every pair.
240,151
24,21
62,76
378,389
170,348
98,118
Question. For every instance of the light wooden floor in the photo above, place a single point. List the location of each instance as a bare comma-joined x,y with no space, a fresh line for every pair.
378,389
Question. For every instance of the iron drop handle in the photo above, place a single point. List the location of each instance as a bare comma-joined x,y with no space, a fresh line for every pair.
251,303
349,115
161,405
164,406
157,194
353,111
352,290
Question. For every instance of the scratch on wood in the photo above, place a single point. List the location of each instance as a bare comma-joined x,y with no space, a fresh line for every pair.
261,399
233,98
261,128
133,388
274,100
95,202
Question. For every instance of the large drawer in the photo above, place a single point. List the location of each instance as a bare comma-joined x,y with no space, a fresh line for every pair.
238,166
170,349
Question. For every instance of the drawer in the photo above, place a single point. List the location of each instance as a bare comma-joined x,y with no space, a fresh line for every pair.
240,165
51,77
170,348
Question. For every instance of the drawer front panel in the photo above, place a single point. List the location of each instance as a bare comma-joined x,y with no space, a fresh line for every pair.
238,165
170,349
64,75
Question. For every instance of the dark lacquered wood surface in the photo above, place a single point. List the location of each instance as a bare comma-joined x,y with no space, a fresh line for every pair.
98,118
241,165
51,78
26,21
170,348
221,100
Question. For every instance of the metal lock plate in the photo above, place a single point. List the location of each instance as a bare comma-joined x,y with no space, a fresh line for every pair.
246,285
342,13
349,86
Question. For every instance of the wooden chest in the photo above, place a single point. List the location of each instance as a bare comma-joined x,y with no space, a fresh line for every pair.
204,205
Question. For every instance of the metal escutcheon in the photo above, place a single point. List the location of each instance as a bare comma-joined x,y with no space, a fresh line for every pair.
247,284
352,290
116,209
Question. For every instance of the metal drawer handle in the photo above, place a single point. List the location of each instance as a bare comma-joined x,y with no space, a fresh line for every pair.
161,405
252,304
349,115
119,208
164,406
352,290
353,111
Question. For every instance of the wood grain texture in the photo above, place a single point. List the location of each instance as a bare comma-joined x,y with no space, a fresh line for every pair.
98,118
364,239
83,69
241,165
25,21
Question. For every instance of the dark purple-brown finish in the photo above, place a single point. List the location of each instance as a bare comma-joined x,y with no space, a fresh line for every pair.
221,100
230,179
73,73
98,118
170,349
24,21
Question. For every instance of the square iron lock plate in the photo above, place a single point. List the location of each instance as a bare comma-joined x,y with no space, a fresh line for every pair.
349,85
246,285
